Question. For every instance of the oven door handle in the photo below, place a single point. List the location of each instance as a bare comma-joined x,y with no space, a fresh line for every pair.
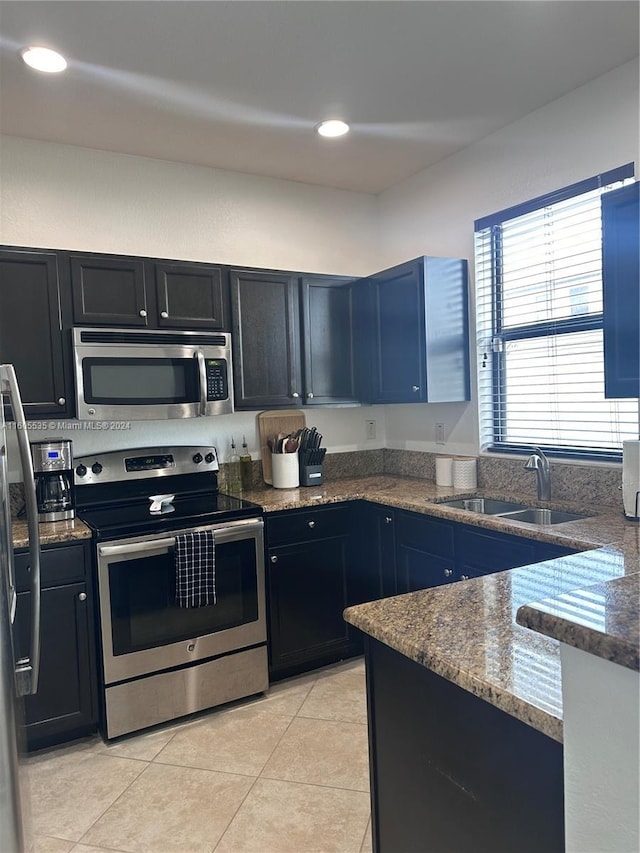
202,373
136,547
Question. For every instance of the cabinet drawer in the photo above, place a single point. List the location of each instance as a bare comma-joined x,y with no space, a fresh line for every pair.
425,534
58,566
295,526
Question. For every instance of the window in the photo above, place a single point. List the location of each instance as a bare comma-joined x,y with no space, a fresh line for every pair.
539,324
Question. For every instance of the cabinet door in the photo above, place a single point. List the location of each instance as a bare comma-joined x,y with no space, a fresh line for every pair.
424,552
192,296
481,552
398,366
621,291
376,557
108,290
31,335
307,594
328,341
266,340
65,704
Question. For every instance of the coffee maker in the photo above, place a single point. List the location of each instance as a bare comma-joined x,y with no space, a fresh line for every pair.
53,473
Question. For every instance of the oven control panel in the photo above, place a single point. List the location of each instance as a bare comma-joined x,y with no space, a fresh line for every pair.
142,463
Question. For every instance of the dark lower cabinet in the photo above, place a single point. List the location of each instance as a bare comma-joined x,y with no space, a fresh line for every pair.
311,578
621,290
451,773
31,336
65,705
406,551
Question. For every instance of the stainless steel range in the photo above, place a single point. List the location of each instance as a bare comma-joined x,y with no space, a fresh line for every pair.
161,659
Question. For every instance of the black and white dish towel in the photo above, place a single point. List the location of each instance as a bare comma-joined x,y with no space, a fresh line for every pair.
195,557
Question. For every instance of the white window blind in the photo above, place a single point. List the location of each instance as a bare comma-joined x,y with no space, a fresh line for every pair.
539,326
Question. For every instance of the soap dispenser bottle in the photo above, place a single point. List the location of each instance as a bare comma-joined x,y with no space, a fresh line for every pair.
246,466
233,475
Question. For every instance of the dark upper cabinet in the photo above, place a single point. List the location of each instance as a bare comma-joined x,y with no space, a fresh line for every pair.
292,338
116,291
413,333
266,339
192,296
621,291
108,291
328,340
31,336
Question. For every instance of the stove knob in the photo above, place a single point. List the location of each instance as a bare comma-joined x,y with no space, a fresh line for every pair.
197,458
209,458
96,467
81,470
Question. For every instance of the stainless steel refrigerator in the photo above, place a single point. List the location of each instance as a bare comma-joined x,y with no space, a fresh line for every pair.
18,677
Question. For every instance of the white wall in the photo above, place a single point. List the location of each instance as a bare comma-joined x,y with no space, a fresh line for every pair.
590,130
601,754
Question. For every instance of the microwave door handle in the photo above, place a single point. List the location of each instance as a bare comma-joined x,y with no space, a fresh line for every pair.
28,667
202,372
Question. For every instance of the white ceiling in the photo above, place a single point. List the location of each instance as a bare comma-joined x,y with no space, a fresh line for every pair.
240,85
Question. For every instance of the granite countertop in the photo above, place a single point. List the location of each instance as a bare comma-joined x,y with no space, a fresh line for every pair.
467,631
601,619
51,532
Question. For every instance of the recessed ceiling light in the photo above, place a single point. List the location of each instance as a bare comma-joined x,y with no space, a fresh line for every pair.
333,127
43,59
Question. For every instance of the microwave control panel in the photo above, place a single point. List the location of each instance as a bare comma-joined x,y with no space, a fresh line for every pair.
217,379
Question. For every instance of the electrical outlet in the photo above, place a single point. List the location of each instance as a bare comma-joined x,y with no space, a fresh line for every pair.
370,428
440,439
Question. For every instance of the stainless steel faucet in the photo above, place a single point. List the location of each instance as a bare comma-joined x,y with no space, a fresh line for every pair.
539,463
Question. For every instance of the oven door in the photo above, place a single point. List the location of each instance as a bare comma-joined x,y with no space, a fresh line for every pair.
143,629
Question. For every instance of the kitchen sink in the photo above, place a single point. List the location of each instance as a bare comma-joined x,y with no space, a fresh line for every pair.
488,506
543,516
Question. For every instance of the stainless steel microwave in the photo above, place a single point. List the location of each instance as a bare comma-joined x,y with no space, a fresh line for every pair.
127,374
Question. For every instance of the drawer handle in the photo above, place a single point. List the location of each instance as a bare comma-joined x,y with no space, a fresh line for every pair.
464,577
82,596
448,573
388,519
164,314
311,524
274,559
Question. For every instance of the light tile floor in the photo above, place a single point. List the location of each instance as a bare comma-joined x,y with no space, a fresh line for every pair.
286,772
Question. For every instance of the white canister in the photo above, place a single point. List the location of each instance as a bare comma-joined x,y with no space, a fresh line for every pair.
444,471
465,473
285,473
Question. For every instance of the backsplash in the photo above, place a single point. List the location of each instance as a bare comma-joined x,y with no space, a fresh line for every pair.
581,485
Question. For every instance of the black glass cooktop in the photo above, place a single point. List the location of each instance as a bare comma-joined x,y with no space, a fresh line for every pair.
133,518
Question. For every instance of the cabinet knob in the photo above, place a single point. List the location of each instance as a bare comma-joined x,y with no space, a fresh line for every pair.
61,401
311,524
142,312
464,577
164,314
274,559
415,388
448,573
82,596
295,394
388,519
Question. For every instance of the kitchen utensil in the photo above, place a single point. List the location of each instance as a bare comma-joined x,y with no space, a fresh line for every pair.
269,424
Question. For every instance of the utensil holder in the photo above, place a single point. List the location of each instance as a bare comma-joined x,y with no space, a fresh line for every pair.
311,475
284,470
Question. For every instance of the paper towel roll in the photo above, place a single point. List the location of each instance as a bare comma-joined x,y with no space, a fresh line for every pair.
465,473
444,471
631,479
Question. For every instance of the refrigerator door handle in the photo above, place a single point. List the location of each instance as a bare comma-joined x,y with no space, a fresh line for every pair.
27,668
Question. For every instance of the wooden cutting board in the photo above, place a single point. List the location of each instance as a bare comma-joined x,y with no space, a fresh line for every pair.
270,424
